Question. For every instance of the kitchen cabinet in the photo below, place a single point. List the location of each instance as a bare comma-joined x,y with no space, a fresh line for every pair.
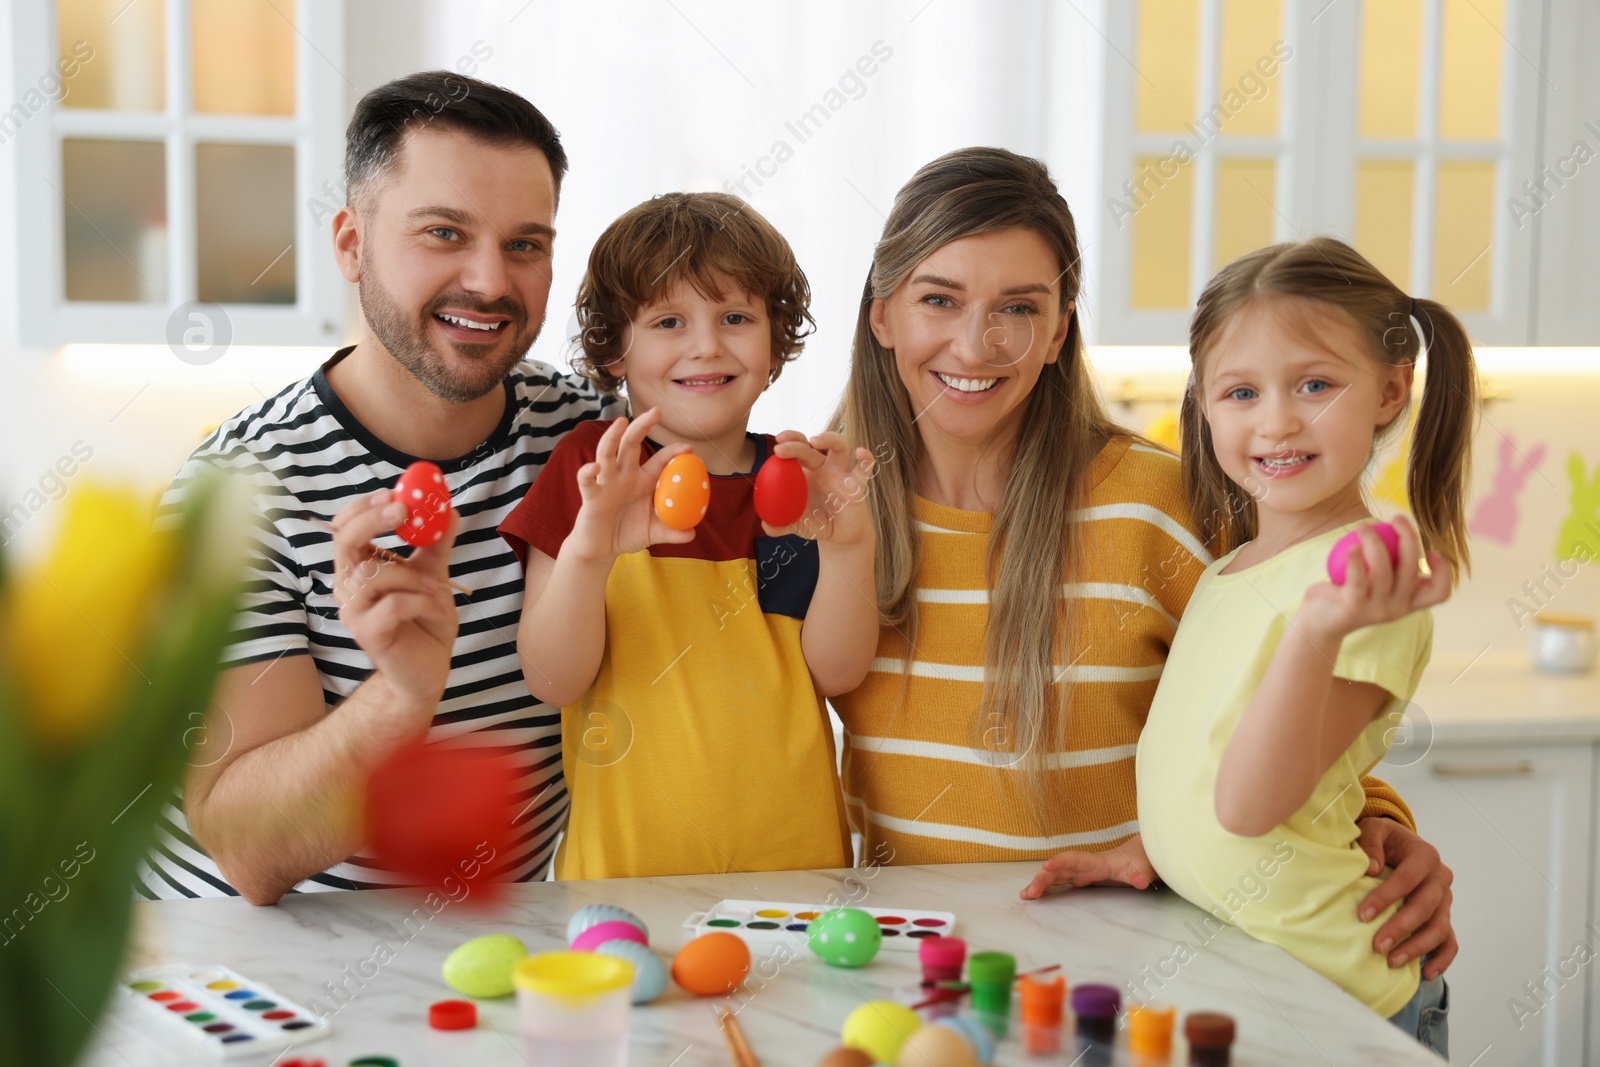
1516,824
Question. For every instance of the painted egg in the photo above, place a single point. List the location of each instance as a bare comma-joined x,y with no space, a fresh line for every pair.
595,914
649,971
879,1028
781,491
845,1057
712,965
1339,558
936,1046
482,967
975,1033
845,937
683,492
600,933
427,499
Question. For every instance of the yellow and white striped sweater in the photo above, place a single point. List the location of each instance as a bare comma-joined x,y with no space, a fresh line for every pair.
924,784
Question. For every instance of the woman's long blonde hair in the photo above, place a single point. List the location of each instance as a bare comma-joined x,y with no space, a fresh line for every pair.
1398,330
1034,540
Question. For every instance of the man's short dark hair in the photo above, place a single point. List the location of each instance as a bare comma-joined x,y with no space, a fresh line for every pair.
443,100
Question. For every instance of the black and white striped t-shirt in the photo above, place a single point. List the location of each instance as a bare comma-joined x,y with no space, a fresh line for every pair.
306,453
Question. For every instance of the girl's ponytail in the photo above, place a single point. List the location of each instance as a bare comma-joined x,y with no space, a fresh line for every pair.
1441,442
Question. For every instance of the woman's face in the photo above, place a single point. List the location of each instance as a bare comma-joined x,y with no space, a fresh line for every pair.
972,329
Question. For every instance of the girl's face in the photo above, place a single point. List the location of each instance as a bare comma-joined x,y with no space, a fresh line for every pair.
1293,399
972,329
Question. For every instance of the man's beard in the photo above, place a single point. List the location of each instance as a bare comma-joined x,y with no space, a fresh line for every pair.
406,338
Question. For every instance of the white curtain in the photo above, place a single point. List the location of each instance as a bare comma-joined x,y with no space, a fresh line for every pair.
659,95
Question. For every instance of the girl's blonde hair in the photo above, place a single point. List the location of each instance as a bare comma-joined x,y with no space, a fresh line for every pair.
1034,539
1398,330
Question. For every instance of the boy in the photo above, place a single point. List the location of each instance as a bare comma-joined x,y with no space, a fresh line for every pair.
691,665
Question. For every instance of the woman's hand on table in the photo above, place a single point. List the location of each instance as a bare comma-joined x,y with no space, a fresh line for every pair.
1421,879
1124,864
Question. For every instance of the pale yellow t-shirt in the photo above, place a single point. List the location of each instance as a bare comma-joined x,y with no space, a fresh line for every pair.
1300,885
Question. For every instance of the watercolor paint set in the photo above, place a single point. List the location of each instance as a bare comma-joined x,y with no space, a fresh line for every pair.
221,1010
762,922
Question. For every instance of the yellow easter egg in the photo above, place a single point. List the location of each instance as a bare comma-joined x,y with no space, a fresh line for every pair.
879,1028
683,492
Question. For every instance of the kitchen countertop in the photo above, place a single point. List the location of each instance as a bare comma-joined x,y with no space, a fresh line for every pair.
1498,698
1286,1013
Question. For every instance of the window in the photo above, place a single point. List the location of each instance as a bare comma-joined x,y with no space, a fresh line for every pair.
178,153
1397,125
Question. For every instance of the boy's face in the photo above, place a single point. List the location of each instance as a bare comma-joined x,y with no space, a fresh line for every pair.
1293,400
702,361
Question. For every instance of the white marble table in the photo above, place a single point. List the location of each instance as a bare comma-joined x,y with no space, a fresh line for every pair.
1286,1014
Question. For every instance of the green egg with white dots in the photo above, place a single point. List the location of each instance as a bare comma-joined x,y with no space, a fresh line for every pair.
482,967
845,937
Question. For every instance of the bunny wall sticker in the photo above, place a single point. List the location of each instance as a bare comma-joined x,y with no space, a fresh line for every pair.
1579,537
1495,517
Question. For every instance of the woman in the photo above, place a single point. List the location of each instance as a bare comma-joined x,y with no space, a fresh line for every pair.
1033,560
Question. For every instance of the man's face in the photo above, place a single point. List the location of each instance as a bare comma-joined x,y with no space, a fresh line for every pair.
455,255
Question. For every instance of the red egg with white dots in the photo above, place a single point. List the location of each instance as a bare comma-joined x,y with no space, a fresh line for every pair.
781,491
683,492
423,491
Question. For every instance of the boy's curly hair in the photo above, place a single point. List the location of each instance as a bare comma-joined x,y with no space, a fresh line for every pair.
706,239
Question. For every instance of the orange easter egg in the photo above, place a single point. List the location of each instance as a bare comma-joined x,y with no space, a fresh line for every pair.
683,492
712,965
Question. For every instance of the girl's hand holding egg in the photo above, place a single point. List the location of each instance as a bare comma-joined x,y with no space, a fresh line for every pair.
618,514
1382,582
832,507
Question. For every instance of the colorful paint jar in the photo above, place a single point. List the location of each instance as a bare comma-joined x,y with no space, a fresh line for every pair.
1042,1004
1210,1036
1150,1030
1096,1009
991,975
573,1007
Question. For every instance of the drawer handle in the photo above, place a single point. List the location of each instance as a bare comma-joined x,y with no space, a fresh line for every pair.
1519,769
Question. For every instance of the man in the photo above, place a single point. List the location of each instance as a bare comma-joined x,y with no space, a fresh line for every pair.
339,657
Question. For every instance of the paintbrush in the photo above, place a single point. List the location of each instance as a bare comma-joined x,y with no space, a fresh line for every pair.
948,991
381,553
739,1050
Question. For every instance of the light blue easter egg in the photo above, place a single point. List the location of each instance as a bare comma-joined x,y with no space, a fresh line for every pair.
595,914
649,970
976,1034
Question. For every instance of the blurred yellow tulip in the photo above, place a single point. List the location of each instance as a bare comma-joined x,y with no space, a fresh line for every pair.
77,620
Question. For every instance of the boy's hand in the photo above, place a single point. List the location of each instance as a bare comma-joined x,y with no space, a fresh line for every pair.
1124,864
618,513
1373,591
836,505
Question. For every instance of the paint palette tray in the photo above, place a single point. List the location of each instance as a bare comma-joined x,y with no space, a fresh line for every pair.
765,922
221,1010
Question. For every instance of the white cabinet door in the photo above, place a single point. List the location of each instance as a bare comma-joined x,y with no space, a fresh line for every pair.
1516,825
1561,191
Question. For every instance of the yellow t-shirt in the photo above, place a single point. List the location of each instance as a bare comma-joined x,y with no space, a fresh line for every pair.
1300,885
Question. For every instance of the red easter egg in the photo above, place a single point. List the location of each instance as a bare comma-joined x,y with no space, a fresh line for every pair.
781,491
423,491
443,817
683,492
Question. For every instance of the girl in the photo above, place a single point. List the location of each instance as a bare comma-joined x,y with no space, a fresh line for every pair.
1033,561
1281,689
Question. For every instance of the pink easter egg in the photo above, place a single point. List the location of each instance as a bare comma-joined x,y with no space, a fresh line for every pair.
1339,558
600,933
